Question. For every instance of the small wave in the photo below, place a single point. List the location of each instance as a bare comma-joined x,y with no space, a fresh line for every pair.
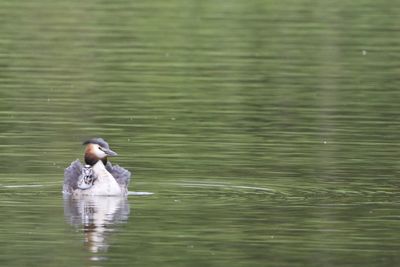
131,193
228,186
22,186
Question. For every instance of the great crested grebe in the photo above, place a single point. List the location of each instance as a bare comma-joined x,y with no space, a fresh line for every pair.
98,176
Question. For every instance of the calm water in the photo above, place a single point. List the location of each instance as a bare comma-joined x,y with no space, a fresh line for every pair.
268,132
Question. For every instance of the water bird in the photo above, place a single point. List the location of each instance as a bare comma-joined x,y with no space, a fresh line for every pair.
97,176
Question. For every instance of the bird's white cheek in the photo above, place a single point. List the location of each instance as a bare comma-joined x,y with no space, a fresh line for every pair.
100,154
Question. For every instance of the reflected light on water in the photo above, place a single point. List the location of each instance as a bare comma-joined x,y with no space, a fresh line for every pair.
98,216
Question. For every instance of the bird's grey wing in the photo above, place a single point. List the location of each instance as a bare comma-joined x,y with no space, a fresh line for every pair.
121,175
71,176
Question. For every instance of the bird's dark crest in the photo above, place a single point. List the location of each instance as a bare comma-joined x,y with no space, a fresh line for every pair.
98,141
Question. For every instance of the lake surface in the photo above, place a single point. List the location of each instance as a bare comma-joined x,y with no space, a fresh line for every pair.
268,132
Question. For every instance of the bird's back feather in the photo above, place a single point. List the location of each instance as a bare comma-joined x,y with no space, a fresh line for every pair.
71,176
121,175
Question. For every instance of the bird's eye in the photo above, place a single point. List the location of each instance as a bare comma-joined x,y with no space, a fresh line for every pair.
100,148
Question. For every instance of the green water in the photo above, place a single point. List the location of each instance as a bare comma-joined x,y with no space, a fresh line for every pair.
267,130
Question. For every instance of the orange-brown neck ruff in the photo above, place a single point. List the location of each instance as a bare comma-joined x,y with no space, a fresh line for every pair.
90,156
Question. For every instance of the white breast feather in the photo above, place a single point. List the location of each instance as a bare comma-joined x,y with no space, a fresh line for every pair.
104,185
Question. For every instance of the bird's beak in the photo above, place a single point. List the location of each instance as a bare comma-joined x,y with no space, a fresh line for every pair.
109,152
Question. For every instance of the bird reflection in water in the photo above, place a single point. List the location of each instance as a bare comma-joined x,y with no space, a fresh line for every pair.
98,216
